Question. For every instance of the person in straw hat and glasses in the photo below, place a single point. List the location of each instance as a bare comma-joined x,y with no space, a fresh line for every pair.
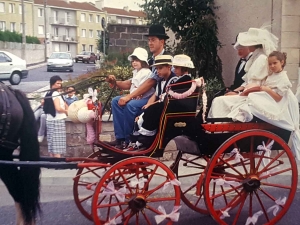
148,122
156,41
124,115
261,42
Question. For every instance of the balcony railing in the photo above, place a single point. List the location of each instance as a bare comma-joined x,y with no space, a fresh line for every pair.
63,38
62,21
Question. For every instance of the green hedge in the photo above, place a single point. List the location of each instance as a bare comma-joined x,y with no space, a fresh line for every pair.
8,36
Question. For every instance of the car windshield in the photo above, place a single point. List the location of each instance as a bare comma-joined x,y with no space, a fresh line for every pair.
84,53
59,55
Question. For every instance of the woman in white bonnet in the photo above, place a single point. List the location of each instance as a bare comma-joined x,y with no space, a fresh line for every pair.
261,42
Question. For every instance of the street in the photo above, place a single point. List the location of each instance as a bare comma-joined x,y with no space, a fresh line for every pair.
39,77
59,208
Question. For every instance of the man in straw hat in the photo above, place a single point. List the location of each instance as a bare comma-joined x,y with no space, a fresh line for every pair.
148,122
156,41
261,42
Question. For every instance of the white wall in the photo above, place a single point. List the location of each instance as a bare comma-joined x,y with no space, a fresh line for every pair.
34,53
238,16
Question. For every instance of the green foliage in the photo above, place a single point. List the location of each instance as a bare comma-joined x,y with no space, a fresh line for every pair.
8,36
194,24
117,59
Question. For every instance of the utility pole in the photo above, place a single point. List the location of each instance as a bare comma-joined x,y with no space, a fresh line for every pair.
45,26
23,32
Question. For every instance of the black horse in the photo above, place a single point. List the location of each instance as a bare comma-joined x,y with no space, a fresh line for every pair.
17,128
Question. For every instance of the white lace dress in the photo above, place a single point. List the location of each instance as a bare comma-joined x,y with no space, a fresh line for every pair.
256,71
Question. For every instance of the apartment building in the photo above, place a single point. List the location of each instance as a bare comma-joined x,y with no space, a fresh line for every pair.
70,26
11,16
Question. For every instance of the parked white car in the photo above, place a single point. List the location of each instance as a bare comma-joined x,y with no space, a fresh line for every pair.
12,68
60,61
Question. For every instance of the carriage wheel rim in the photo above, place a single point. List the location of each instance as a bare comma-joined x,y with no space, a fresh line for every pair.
260,191
145,196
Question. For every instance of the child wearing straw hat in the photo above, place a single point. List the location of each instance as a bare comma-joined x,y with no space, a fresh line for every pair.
123,116
148,122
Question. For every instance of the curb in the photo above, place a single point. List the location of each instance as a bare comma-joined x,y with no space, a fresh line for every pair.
34,66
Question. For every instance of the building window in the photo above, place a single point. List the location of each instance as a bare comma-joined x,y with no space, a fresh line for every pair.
98,19
119,21
11,8
91,33
41,29
140,22
91,48
67,17
2,7
67,32
2,25
68,48
55,15
99,33
56,31
127,21
12,27
20,9
40,12
91,18
83,47
82,17
109,19
21,27
83,33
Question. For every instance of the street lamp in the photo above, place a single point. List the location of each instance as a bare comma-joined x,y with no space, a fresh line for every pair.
23,31
45,26
103,24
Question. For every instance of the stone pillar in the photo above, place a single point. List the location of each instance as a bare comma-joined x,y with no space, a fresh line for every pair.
290,38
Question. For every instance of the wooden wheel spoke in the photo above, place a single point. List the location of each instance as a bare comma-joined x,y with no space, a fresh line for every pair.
244,197
262,206
275,173
231,167
160,199
226,192
146,217
150,178
272,161
276,185
86,198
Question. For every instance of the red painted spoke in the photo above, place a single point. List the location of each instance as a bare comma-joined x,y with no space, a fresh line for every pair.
111,204
161,199
147,193
250,205
251,156
146,217
276,185
276,173
224,196
126,183
89,171
273,160
262,206
137,218
108,210
199,198
86,198
231,167
226,192
244,197
190,188
190,175
267,194
150,178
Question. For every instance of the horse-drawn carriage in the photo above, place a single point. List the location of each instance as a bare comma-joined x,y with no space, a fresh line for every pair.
239,173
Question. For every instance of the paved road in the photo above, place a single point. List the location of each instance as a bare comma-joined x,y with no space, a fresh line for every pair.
39,77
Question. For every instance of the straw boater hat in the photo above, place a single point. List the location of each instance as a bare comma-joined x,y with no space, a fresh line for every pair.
73,110
257,36
157,31
163,60
183,61
140,53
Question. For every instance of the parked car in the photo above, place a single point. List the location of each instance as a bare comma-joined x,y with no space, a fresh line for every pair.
12,68
86,57
60,61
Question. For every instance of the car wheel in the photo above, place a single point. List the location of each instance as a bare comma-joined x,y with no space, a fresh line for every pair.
15,78
88,61
48,70
71,70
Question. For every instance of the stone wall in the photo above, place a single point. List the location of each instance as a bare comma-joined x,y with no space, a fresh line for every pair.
126,37
34,53
76,141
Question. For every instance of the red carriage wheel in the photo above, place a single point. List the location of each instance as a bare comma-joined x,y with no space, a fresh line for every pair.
252,178
136,191
189,170
84,185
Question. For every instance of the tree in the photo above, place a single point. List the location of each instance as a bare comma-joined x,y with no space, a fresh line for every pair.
194,24
100,42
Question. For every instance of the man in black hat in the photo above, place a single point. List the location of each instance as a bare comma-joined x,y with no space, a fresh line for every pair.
244,54
156,41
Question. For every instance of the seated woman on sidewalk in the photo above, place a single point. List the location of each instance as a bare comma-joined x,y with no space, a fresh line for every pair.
148,122
123,116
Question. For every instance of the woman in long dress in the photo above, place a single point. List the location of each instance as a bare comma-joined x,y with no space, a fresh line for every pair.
261,42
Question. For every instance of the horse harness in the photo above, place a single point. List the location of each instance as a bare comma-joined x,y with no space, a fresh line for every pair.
5,119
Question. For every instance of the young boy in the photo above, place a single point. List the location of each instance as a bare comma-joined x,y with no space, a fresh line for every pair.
71,97
148,122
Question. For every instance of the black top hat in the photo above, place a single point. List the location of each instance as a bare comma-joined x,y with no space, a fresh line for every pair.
158,31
